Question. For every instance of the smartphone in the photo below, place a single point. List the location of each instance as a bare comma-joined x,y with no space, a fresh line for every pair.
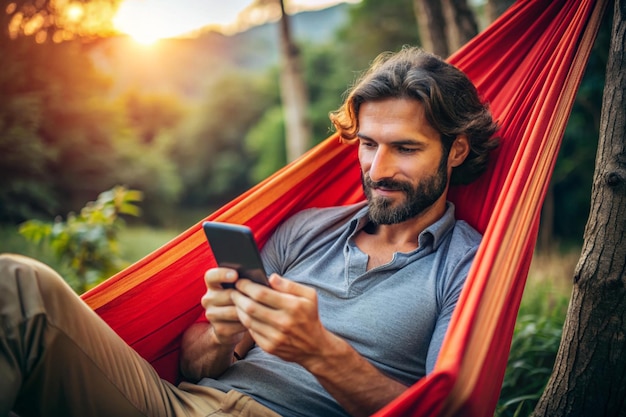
233,246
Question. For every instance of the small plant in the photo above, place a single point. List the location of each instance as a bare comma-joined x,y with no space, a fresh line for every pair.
534,346
88,242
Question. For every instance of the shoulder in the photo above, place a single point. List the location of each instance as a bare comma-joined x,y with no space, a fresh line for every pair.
465,235
459,247
315,219
457,252
452,235
303,231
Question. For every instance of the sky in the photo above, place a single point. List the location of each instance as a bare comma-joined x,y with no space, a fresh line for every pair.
150,20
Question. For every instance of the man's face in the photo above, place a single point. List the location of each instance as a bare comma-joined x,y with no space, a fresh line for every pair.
404,168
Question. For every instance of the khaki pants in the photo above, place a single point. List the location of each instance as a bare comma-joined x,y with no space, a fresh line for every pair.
58,358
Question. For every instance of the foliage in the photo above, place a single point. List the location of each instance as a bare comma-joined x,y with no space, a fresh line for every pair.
148,167
47,20
88,242
326,80
68,131
62,140
376,26
328,77
537,334
151,114
12,242
135,242
573,172
266,140
26,154
209,148
533,351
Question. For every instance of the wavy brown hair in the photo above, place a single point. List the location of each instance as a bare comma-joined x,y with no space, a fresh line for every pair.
451,103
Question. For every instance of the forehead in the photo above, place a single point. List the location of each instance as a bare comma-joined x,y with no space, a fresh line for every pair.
395,117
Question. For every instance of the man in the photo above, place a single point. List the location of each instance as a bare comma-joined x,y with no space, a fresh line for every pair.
360,297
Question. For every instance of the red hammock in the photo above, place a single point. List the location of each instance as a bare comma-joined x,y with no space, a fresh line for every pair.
528,65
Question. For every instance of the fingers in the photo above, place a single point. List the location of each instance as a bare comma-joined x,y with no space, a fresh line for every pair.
215,277
290,287
219,308
261,321
280,295
281,320
216,295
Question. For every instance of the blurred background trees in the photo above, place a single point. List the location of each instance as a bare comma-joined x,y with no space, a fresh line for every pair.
194,122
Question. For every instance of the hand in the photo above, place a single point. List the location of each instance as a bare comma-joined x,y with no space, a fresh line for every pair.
219,308
283,319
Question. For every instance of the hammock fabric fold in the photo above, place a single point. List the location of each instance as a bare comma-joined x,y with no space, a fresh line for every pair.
527,65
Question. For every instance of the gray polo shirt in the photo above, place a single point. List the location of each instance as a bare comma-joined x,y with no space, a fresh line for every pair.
395,315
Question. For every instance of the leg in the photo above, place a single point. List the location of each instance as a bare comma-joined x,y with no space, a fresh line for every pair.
57,357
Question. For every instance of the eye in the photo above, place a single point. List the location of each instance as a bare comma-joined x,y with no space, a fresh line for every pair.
368,144
406,150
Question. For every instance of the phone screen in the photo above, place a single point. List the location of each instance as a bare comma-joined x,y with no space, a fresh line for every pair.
233,246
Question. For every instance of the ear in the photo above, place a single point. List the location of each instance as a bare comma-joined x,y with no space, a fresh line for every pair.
459,151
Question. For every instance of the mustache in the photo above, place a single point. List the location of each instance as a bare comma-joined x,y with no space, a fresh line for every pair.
386,184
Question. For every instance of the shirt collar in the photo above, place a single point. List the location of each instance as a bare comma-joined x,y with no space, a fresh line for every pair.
433,234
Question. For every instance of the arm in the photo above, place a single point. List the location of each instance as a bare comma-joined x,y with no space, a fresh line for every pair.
284,321
203,356
353,381
207,348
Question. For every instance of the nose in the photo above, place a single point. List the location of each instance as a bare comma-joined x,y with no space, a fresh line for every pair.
381,165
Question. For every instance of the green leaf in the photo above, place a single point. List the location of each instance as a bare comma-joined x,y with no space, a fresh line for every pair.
34,230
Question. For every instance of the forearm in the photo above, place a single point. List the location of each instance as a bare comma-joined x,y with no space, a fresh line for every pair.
359,387
201,354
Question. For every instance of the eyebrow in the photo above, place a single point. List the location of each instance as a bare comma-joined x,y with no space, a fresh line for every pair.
399,142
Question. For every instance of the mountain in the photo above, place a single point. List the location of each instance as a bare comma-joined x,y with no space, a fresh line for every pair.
187,66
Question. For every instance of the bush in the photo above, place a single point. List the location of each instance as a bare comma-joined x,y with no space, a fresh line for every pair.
533,351
536,337
87,243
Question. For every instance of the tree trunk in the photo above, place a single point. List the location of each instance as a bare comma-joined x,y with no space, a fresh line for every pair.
444,26
293,93
431,24
589,377
461,23
496,7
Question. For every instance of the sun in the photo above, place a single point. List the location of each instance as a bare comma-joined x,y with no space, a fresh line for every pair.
140,22
147,21
144,36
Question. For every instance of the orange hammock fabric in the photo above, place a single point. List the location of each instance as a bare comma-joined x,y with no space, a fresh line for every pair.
528,65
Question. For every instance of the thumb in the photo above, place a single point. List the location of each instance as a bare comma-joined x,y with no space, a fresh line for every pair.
287,286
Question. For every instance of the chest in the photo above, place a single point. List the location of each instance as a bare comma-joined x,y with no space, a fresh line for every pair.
387,312
379,252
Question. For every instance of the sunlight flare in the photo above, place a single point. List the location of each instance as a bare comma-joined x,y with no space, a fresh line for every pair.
147,21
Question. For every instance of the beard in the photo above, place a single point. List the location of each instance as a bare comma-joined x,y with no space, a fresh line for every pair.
418,198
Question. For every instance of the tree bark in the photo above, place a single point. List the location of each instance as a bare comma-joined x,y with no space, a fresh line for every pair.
496,7
431,24
444,26
293,93
461,23
589,377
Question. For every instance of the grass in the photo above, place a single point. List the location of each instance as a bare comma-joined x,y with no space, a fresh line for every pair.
537,332
135,243
12,242
138,241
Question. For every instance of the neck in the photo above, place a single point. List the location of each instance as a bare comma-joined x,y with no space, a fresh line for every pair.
405,235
